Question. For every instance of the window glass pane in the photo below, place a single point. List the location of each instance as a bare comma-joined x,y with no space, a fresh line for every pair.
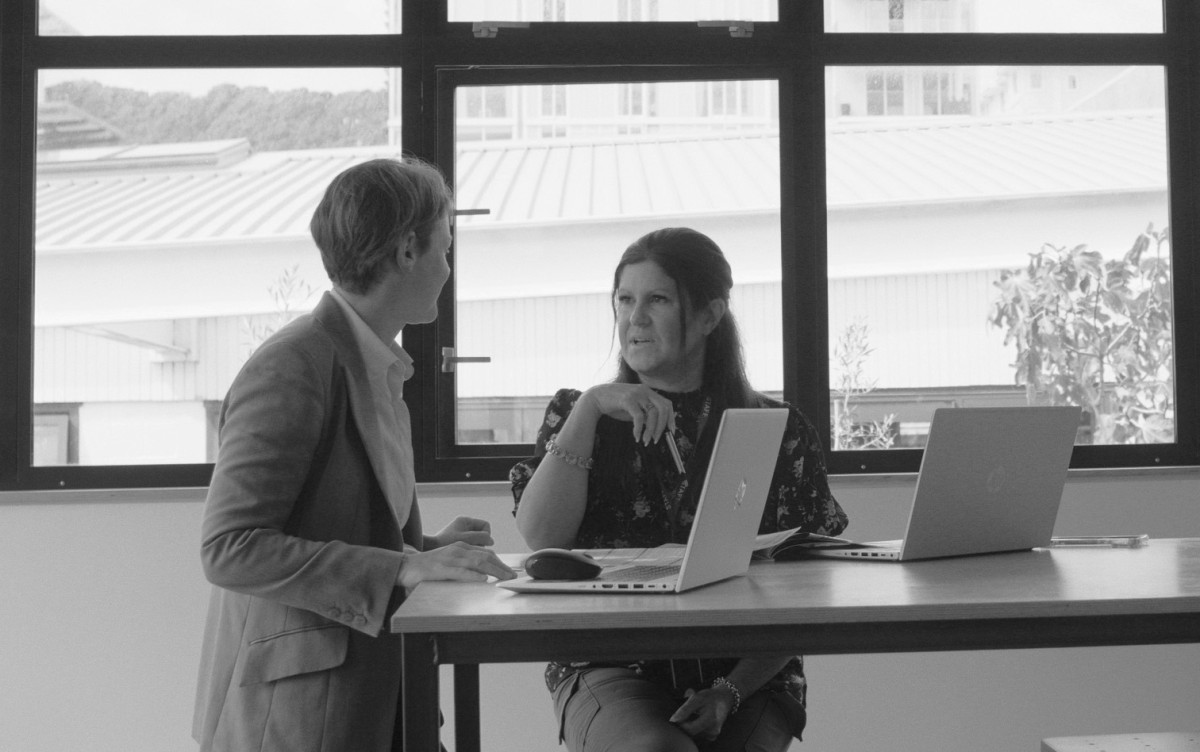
172,237
994,16
613,10
572,174
999,236
217,17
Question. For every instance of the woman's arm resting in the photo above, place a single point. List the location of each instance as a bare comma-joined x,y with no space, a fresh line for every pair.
553,503
705,711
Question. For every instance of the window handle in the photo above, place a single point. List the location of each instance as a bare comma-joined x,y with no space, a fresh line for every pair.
737,29
450,361
489,29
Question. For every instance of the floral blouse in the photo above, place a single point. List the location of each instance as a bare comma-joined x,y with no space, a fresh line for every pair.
637,498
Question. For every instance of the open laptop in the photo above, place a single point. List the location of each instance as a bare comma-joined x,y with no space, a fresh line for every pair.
728,514
991,480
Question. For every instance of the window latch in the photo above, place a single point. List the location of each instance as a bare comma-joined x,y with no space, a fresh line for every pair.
489,29
450,361
737,29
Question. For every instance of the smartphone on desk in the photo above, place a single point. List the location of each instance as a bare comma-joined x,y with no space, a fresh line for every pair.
1103,541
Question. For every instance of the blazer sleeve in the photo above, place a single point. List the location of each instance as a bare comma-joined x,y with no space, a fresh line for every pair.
273,530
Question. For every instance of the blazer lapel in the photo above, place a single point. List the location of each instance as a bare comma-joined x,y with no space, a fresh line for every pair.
397,488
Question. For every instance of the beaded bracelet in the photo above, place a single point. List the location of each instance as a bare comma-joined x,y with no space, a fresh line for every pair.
552,447
722,683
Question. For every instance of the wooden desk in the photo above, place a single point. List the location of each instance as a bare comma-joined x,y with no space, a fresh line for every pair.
1039,599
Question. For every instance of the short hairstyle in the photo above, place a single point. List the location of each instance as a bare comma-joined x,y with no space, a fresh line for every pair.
366,212
701,274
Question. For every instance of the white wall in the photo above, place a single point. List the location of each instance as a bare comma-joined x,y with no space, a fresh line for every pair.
102,604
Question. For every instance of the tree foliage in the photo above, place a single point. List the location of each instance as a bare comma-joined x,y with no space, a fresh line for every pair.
290,295
270,120
1097,334
850,385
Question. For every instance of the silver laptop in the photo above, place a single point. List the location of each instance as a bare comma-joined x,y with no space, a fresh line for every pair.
991,480
727,518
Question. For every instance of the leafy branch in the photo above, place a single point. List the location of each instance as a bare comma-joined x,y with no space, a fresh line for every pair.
850,353
1096,333
289,294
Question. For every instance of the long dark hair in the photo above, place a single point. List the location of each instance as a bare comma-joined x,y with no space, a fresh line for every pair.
701,275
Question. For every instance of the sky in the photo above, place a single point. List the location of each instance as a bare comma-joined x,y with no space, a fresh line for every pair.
120,17
370,16
222,16
1093,16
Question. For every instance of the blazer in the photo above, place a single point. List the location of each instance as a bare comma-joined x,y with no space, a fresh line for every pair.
303,551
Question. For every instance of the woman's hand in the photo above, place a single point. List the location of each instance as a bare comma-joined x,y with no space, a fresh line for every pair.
465,529
650,412
703,714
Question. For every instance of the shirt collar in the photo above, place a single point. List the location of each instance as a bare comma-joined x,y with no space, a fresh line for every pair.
377,354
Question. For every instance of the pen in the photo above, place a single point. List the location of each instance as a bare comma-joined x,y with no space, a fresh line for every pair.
1111,541
675,452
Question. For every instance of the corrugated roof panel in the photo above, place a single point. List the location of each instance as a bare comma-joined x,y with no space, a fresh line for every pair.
694,171
1130,153
606,185
665,197
295,217
467,183
963,166
527,197
553,182
478,186
1036,164
130,202
884,166
897,161
297,192
214,218
636,197
753,172
893,162
500,186
156,218
576,190
62,207
118,210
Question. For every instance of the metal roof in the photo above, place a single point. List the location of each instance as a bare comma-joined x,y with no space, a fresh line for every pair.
940,160
267,195
193,199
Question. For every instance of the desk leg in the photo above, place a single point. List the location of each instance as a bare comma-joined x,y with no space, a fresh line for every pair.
466,707
419,692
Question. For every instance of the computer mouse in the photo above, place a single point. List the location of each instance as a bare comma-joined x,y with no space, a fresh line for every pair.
561,564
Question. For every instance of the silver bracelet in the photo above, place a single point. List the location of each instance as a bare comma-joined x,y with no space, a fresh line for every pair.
552,447
722,683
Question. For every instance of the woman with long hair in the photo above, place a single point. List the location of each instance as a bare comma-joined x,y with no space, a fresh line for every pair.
603,478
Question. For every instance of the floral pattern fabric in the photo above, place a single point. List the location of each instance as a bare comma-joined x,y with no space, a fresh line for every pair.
637,498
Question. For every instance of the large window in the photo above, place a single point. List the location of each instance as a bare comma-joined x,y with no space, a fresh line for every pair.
549,217
980,237
171,237
926,203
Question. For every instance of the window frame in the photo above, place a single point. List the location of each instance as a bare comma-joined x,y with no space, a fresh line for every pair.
796,46
442,457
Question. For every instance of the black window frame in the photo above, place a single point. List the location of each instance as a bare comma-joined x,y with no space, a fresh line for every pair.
795,47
